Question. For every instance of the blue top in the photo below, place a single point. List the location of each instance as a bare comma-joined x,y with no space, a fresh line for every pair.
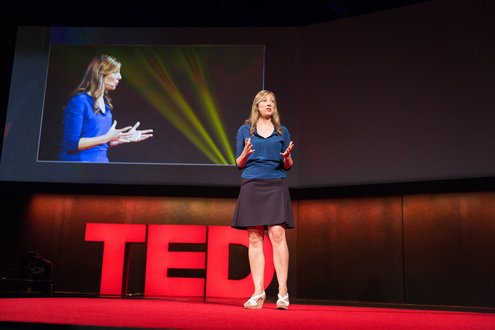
81,121
265,162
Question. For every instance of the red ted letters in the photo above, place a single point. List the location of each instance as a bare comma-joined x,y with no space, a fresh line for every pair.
159,259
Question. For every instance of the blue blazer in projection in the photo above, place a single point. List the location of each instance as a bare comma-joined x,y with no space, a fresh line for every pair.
81,121
265,162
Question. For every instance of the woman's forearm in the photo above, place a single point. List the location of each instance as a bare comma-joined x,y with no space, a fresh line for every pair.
288,162
241,160
86,143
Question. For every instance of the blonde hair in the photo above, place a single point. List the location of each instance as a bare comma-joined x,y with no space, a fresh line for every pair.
93,79
255,113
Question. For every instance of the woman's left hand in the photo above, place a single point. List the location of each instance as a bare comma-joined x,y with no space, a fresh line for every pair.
286,153
136,135
133,135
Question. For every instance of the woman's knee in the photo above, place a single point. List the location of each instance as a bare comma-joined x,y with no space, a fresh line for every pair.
277,234
255,238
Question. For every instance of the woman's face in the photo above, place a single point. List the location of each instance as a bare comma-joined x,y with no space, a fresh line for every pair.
266,106
112,80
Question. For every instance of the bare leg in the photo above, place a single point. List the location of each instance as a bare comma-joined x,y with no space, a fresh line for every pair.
257,258
280,256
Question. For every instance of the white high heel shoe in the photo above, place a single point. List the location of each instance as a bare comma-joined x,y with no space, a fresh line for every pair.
283,302
255,302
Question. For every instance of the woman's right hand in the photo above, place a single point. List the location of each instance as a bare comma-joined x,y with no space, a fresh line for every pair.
118,135
248,150
113,137
248,147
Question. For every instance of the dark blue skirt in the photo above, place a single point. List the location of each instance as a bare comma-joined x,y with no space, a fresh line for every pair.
263,202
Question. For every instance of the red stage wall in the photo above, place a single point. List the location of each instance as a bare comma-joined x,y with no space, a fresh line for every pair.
415,249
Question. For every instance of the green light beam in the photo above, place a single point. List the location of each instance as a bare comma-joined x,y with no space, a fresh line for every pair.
168,84
154,95
214,116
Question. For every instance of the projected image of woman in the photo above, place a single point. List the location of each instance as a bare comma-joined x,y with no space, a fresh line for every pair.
264,155
89,128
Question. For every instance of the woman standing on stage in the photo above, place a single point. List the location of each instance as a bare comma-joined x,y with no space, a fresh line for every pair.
264,155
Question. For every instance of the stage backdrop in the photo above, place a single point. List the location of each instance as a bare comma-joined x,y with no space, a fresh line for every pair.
402,95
